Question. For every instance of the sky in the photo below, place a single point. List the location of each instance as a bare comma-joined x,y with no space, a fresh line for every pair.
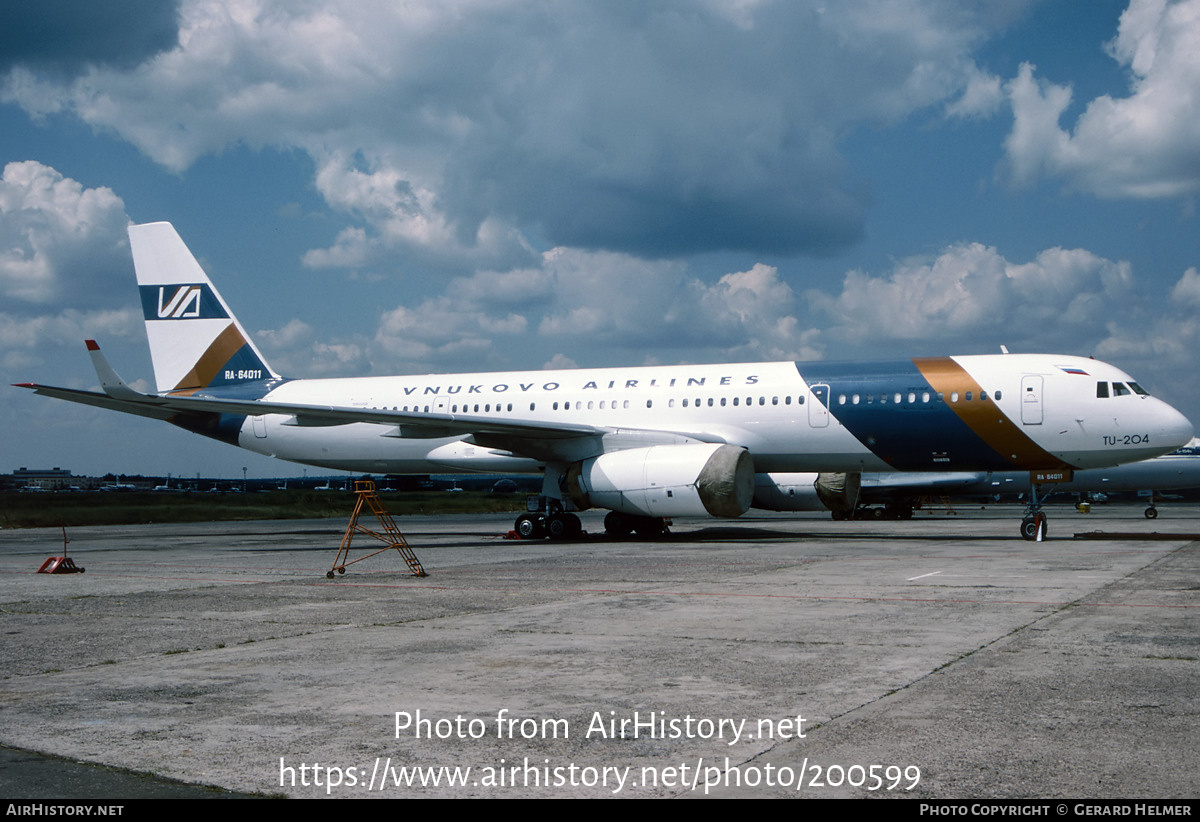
463,185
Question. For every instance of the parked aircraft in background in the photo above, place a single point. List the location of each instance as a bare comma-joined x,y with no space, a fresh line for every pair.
894,495
646,443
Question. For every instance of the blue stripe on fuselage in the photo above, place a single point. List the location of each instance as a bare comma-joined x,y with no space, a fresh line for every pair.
909,435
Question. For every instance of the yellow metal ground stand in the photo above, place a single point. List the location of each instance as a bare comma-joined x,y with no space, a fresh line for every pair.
391,536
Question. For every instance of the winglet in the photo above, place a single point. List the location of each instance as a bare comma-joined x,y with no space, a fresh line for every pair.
112,384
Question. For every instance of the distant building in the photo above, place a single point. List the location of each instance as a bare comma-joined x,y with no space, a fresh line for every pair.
48,479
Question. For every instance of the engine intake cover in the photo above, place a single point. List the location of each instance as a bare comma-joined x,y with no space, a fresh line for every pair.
839,492
667,481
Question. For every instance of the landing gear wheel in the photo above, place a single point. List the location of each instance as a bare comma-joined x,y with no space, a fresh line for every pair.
650,527
560,527
617,525
1151,513
1029,527
529,526
329,575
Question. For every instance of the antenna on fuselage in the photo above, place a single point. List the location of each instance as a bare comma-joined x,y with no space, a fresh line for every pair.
1004,349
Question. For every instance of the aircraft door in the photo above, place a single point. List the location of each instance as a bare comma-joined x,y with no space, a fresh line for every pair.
1031,399
818,412
441,405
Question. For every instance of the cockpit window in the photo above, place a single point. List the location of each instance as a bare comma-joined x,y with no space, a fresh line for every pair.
1137,389
1101,390
1119,389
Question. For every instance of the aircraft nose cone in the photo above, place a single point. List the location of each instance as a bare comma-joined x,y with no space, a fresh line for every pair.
1176,430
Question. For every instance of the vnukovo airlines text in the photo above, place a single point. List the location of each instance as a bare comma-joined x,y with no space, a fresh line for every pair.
523,773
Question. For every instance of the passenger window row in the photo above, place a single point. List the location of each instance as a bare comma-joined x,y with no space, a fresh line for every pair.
914,398
896,398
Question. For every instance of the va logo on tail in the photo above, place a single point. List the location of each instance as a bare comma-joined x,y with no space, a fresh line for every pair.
185,302
181,302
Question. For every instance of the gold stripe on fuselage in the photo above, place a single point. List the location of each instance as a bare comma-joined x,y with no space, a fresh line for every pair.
984,417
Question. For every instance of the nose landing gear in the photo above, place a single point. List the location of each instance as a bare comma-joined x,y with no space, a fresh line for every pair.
1033,526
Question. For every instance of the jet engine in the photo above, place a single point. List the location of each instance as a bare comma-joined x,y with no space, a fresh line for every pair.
666,481
807,492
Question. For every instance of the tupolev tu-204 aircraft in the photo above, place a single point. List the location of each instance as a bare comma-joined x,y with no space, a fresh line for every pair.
646,443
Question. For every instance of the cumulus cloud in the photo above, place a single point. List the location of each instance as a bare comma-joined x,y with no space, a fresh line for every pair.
403,213
597,308
25,339
982,97
296,349
1170,336
631,305
59,242
65,273
590,308
463,128
1158,346
559,362
1186,292
970,293
1144,145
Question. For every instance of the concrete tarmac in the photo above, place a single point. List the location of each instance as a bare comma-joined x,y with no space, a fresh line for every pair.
772,656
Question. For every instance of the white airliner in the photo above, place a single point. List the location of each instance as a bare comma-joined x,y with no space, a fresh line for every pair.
646,443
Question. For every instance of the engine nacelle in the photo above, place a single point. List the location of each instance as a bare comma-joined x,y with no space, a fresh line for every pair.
786,492
666,481
807,492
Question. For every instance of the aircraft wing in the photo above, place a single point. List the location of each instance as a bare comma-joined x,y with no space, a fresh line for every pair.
924,482
418,426
535,439
100,400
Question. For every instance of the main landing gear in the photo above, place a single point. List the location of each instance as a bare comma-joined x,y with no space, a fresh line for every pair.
562,526
546,514
558,526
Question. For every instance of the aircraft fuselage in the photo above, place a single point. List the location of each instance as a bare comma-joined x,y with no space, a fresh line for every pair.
999,412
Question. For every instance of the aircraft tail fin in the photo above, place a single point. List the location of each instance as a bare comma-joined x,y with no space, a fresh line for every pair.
195,341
